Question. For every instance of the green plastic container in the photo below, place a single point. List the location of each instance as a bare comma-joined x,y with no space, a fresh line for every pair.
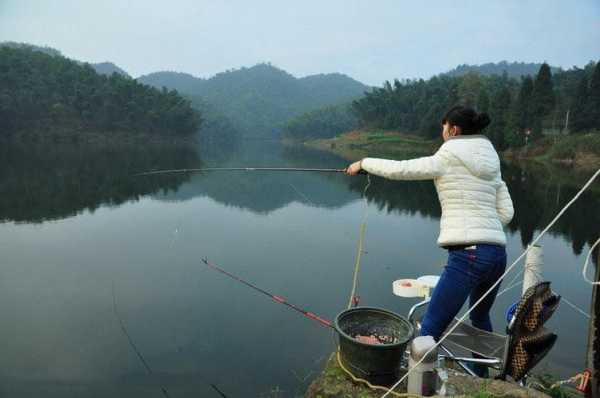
380,364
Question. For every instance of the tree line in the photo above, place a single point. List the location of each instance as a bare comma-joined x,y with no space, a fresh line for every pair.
521,110
513,69
322,123
45,94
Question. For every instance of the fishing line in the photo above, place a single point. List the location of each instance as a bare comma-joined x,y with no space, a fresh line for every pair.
509,288
512,284
562,297
139,353
221,393
310,202
359,249
130,340
575,307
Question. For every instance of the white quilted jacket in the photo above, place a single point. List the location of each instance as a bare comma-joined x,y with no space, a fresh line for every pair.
466,171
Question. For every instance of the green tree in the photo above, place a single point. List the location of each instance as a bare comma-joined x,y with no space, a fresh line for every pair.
524,104
543,98
501,106
469,88
579,113
593,104
483,101
519,119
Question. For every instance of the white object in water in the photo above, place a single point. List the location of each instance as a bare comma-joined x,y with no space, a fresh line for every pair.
422,379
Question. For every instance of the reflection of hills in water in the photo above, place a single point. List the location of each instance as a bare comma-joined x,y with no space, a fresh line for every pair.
540,192
404,197
538,195
54,181
264,192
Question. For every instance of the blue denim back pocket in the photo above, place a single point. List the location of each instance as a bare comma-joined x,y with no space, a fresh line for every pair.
481,263
490,260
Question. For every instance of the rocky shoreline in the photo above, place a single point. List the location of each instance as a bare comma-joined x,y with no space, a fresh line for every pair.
334,383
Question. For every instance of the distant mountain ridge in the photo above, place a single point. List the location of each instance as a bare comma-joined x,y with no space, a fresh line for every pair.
258,101
108,68
103,68
261,99
183,82
512,69
46,50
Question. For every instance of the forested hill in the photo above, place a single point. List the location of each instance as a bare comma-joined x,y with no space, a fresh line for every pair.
260,100
522,110
104,68
512,69
45,95
182,82
108,68
45,50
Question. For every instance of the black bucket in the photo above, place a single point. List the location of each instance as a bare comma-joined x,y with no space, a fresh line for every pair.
377,363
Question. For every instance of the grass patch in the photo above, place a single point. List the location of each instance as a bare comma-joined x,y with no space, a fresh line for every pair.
389,144
581,151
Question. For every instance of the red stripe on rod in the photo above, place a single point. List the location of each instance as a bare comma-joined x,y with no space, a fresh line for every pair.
318,319
275,298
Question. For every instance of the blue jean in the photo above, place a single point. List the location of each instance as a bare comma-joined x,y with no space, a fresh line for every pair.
469,273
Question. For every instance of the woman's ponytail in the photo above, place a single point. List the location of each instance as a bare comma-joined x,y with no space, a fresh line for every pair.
469,121
481,121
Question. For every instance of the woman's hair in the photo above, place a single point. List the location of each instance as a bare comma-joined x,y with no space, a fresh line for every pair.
469,121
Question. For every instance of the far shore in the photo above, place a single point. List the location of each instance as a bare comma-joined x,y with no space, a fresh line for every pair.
578,152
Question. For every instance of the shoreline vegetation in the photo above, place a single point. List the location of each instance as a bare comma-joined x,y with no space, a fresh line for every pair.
580,152
100,138
550,119
357,144
50,95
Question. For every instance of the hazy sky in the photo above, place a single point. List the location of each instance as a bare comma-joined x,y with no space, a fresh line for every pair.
371,41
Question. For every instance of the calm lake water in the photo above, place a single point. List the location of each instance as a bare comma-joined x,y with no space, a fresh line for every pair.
75,227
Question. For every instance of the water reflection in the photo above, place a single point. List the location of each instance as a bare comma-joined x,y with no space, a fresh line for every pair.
265,192
49,182
291,233
539,192
42,182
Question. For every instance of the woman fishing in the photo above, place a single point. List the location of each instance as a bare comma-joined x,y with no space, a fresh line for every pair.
475,206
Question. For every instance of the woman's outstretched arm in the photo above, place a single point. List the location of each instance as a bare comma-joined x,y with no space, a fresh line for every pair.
425,168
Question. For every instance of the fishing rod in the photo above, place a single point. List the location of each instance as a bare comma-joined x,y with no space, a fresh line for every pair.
139,353
131,343
277,299
211,169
